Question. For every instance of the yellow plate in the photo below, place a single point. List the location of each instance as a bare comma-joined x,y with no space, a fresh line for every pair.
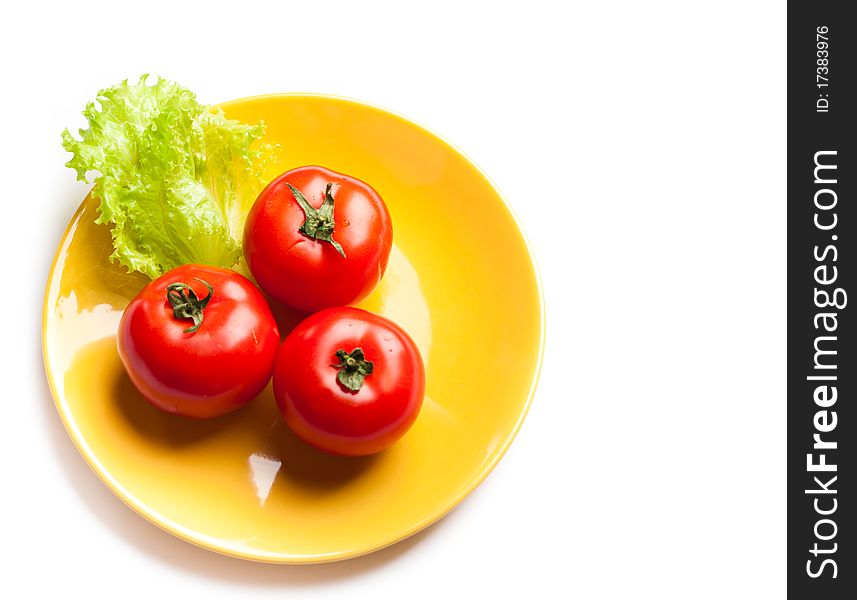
461,281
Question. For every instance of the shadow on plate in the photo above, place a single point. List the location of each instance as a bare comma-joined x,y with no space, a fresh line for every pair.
153,423
302,464
311,468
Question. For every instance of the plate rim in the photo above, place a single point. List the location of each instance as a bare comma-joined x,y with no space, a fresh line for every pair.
198,538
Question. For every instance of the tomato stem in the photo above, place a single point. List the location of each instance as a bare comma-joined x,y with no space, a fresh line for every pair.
185,303
318,222
353,368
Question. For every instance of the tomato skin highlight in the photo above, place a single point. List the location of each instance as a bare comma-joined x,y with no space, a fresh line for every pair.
309,274
324,413
218,368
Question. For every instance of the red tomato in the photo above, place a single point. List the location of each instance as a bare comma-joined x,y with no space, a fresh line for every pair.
199,341
316,238
349,382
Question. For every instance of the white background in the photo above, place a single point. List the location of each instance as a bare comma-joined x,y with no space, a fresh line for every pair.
641,144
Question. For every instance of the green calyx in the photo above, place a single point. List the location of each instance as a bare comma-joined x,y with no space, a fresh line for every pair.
318,223
185,303
353,368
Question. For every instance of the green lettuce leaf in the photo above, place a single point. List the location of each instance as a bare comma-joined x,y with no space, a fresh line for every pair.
175,179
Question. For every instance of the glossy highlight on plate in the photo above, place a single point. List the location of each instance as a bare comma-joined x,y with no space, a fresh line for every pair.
242,484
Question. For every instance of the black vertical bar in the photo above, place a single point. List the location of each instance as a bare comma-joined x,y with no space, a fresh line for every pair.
822,224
